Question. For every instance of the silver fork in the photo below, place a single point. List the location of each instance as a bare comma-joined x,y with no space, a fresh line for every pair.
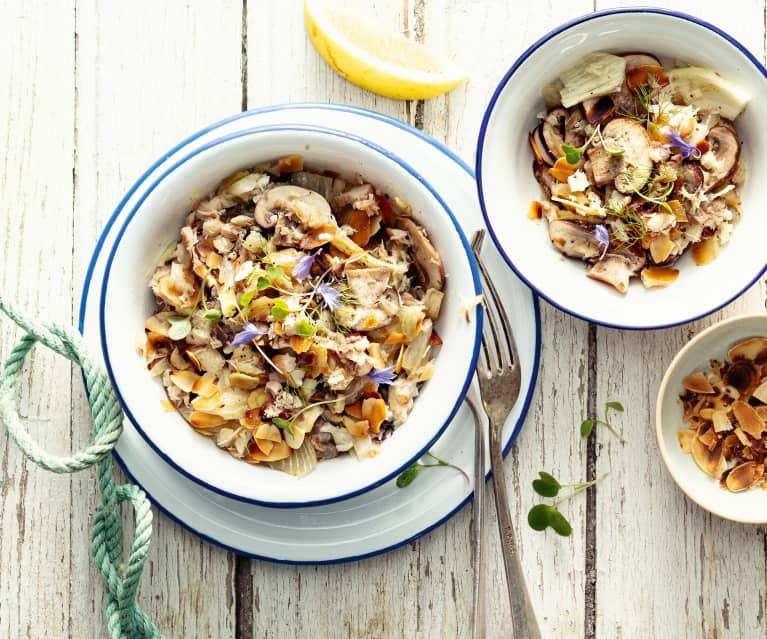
499,378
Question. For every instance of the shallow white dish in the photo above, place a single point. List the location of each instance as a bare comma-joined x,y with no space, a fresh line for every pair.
126,302
507,186
749,506
385,517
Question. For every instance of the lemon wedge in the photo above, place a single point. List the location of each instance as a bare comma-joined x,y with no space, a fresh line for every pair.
382,62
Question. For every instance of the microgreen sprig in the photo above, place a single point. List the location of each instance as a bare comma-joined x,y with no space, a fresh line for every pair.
411,472
587,425
542,516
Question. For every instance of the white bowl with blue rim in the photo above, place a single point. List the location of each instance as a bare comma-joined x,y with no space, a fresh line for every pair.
126,301
506,184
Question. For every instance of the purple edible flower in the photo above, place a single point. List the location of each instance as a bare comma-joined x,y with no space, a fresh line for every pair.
304,265
675,140
329,295
383,376
602,237
248,333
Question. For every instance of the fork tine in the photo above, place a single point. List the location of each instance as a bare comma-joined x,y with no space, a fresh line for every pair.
509,335
484,362
503,358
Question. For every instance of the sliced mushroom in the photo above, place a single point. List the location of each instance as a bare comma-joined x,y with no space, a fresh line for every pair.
308,207
426,257
690,179
368,284
698,383
711,462
540,146
743,376
722,157
615,270
754,349
744,476
553,131
631,137
545,179
748,419
575,134
574,240
598,109
604,167
634,60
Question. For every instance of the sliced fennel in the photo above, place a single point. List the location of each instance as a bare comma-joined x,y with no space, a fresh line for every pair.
593,75
708,91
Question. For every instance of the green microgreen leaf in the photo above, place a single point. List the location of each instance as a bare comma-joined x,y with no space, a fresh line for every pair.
408,475
180,326
547,485
538,517
284,424
247,297
559,523
280,309
213,314
262,283
587,425
572,154
304,328
275,274
615,406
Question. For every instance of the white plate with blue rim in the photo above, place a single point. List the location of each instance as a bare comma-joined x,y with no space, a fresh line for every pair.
387,516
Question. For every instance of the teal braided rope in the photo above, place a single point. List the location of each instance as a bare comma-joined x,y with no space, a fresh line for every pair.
125,619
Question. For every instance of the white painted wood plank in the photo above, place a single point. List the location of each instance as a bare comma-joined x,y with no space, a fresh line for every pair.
434,573
36,191
666,568
148,75
550,441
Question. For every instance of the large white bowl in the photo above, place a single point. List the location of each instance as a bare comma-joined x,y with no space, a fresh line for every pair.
126,302
749,506
506,183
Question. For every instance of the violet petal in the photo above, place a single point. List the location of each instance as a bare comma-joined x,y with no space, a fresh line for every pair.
330,296
382,376
248,333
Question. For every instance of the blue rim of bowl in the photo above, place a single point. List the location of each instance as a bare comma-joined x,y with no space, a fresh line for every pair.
256,131
491,106
343,108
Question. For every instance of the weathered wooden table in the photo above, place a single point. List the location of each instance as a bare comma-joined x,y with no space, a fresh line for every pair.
90,94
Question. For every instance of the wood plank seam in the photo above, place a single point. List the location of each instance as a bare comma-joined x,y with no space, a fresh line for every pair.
590,570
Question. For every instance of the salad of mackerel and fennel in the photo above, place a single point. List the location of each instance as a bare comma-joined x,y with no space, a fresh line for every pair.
639,163
295,316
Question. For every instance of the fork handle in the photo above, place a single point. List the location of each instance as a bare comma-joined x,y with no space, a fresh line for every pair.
523,619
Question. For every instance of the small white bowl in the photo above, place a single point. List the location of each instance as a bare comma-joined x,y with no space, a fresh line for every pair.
507,186
749,506
126,301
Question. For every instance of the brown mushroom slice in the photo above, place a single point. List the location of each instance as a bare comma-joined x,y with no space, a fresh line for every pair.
748,419
615,270
575,134
598,109
604,167
553,131
698,383
743,476
426,257
540,146
574,240
545,179
754,349
309,207
690,178
711,462
722,157
631,137
743,376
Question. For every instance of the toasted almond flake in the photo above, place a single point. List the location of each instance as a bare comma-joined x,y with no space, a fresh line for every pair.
194,361
266,445
205,420
743,476
209,403
374,411
721,421
185,380
358,428
246,382
697,383
742,437
279,451
258,398
753,349
710,462
205,386
760,392
748,419
167,406
705,251
685,438
269,432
